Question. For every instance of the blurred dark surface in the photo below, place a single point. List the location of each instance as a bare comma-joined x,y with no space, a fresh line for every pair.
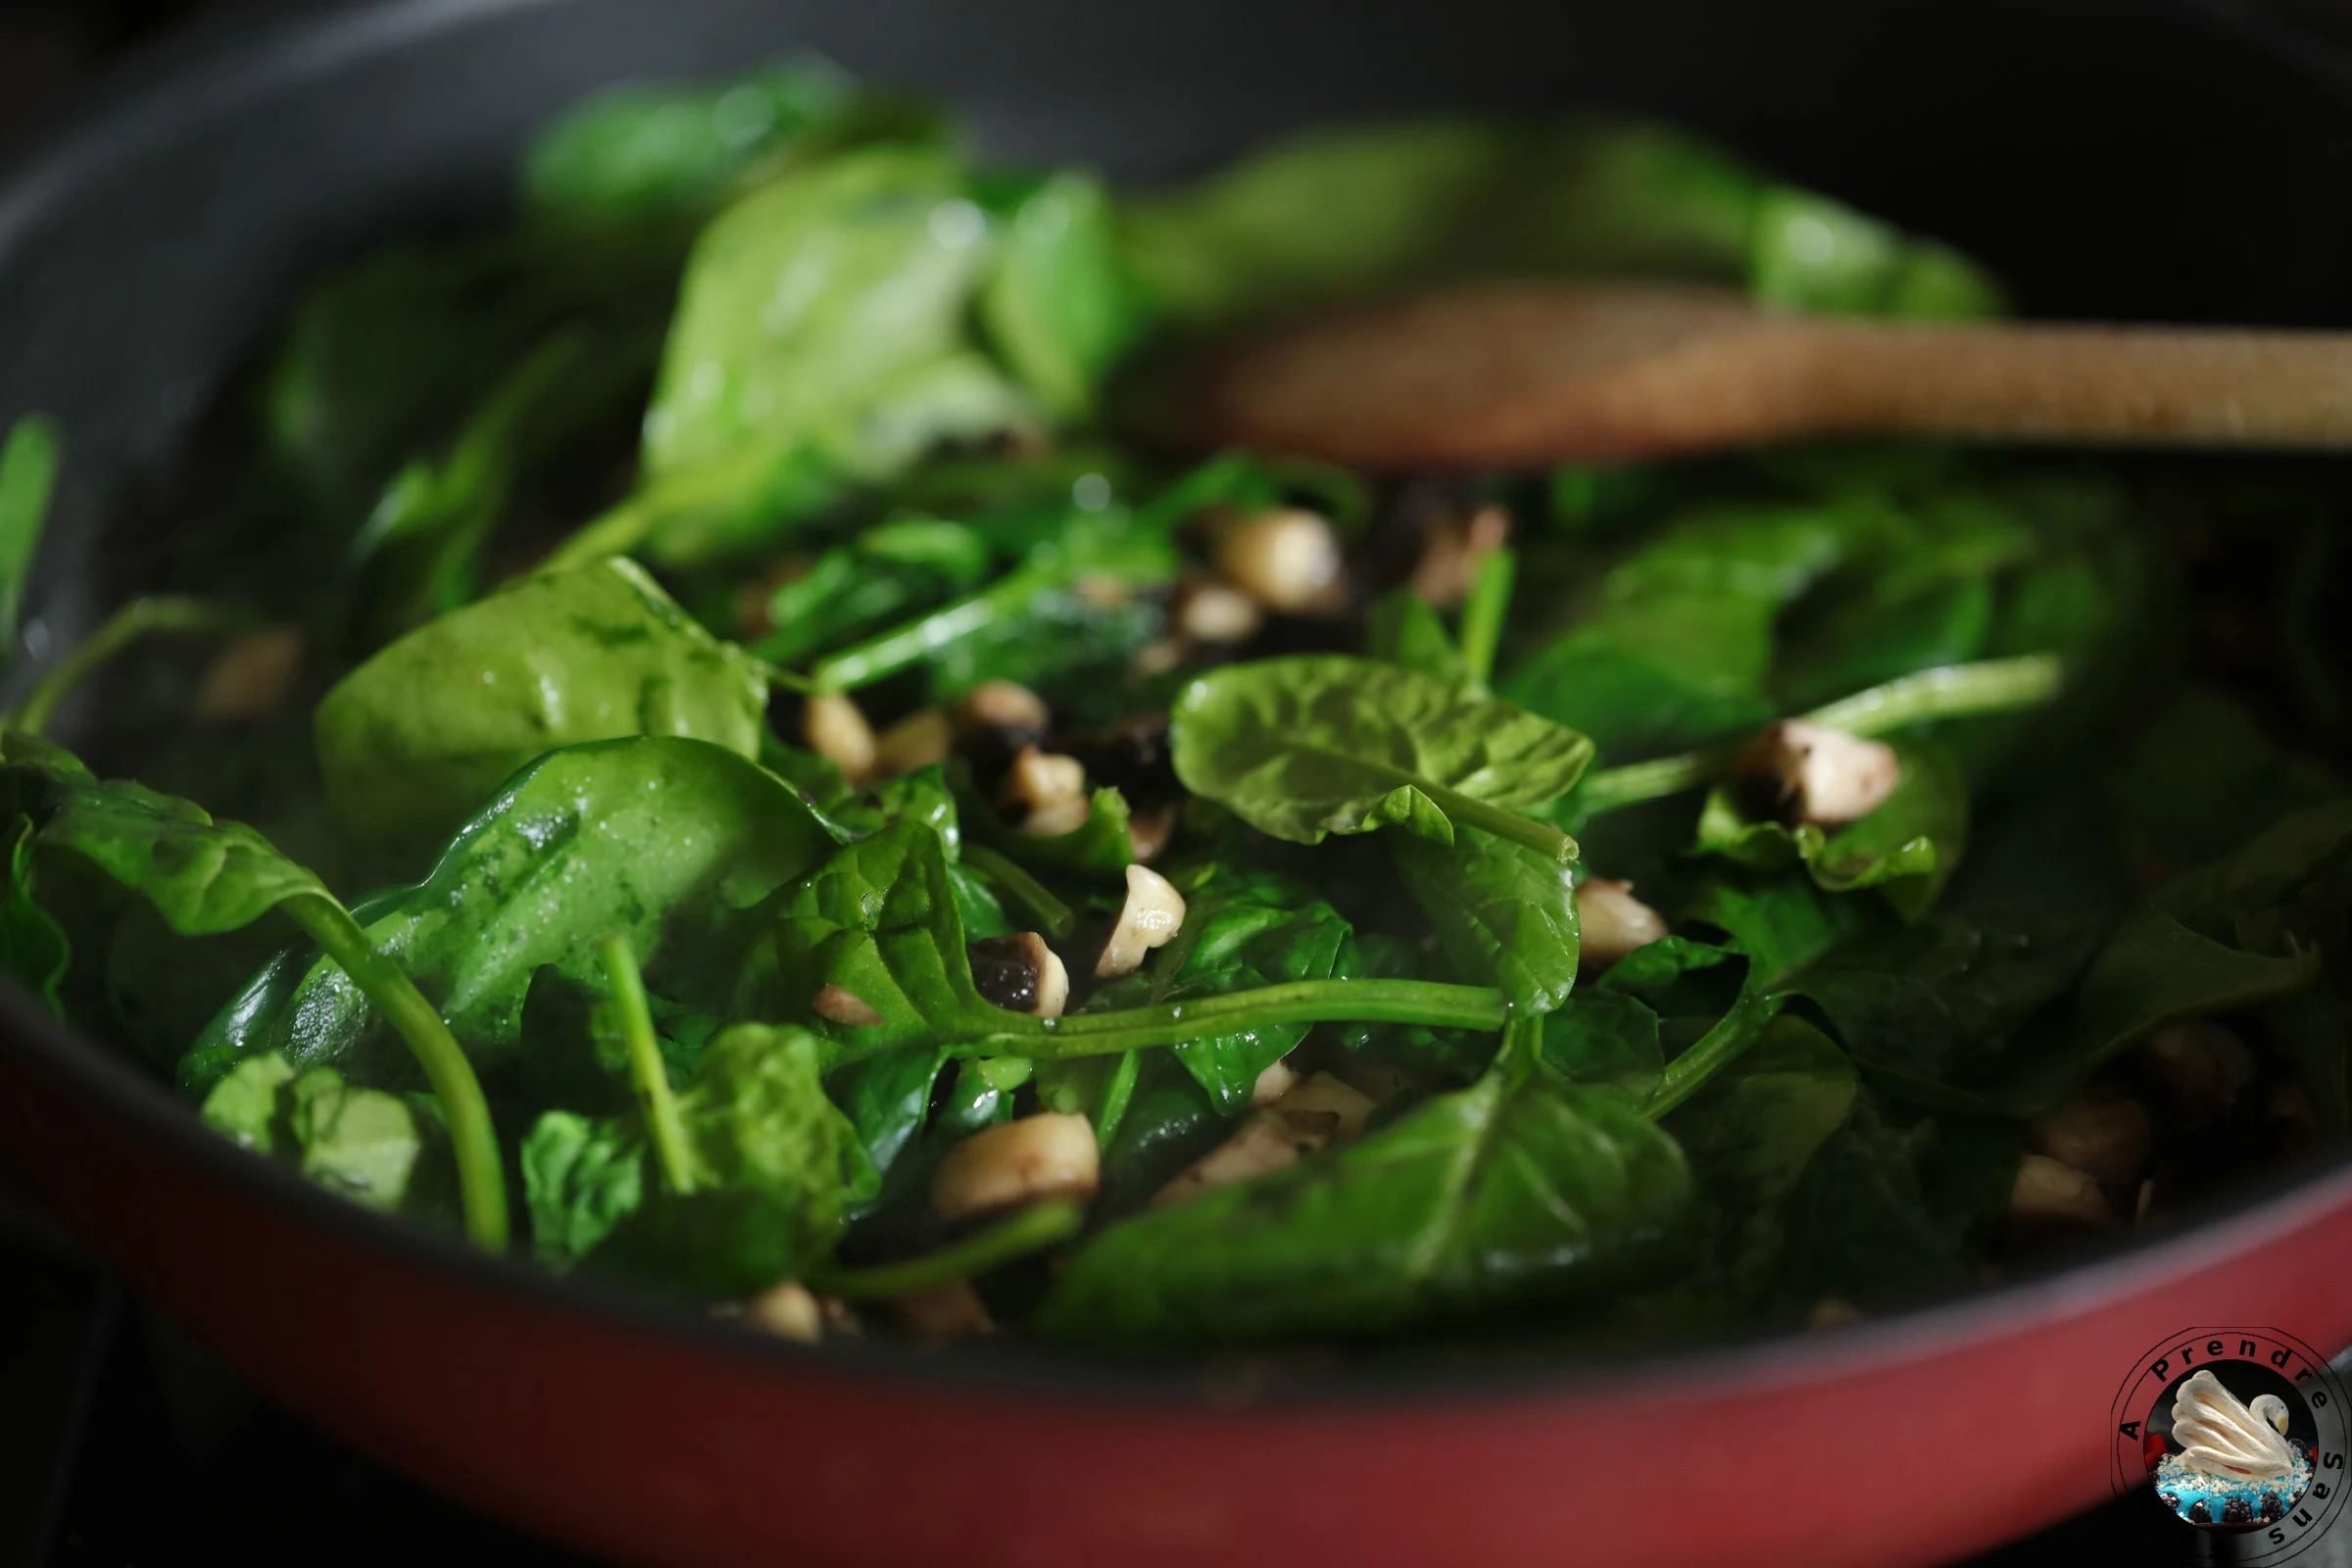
121,1445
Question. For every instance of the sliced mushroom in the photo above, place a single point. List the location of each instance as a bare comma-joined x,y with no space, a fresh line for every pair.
1003,707
1019,972
1611,922
840,1004
1288,558
2205,1066
837,732
1321,1094
789,1311
1015,1162
1149,832
1043,790
944,1313
2050,1193
1376,1081
1268,1141
1799,771
1272,1084
921,739
1207,611
2106,1135
1150,918
248,680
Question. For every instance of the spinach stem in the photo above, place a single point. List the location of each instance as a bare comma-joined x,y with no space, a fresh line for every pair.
1541,837
664,1129
1101,1034
141,618
481,1174
1054,918
1035,1228
1713,1051
616,531
1483,612
1951,691
912,642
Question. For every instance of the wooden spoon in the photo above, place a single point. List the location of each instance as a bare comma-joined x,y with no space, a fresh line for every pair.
1522,374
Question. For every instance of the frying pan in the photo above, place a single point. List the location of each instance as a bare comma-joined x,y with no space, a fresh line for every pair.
2114,157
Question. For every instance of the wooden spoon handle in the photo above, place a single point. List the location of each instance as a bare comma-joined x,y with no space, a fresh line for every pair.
2178,386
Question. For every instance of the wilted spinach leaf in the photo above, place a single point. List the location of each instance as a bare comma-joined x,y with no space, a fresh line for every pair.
1519,1190
422,733
1907,848
1307,746
1503,913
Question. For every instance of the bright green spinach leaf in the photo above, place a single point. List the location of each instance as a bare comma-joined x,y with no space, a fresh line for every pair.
1311,745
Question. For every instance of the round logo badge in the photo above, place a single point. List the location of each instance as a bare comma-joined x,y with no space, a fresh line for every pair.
2241,1430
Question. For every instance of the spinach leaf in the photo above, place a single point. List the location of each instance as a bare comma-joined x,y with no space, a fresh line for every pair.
424,732
1503,914
1750,1136
667,840
772,1164
894,567
1931,1010
1606,1040
1058,305
362,1144
887,1098
1099,1087
2200,778
1401,629
1242,929
2251,928
1307,746
1883,1213
1360,208
27,474
655,154
873,933
34,949
1672,646
1520,1190
819,340
580,1178
1907,848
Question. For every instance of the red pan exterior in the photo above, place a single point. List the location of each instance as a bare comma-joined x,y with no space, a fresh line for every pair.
649,1436
658,1441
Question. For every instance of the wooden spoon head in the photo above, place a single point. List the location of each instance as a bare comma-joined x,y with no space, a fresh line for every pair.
1488,375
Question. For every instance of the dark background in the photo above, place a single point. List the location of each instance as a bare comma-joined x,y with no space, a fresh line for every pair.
120,1444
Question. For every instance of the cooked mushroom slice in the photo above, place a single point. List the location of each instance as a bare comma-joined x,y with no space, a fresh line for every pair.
1045,792
840,1004
1015,1162
2105,1135
1321,1094
1021,973
249,678
1288,558
1207,611
1272,1084
1612,922
1149,832
943,1312
838,732
1799,771
919,740
1268,1141
787,1310
1003,707
2205,1065
2051,1192
1150,916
